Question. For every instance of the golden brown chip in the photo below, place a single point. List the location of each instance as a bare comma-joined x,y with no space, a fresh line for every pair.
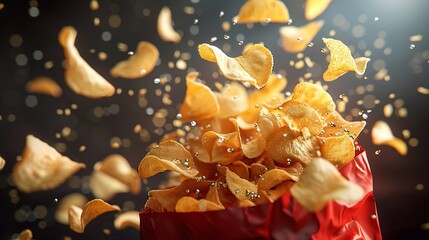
169,155
222,148
165,29
342,61
274,194
232,100
296,39
254,66
79,76
190,204
267,123
239,168
42,167
2,163
337,125
62,211
339,150
26,234
79,218
213,196
313,8
200,102
106,187
315,97
272,178
44,85
321,182
127,219
241,188
263,11
138,65
382,135
423,90
299,115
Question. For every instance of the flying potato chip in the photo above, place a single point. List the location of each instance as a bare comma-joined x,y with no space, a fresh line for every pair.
26,234
254,66
315,97
190,204
2,163
321,182
339,150
138,65
165,29
79,76
127,219
337,125
381,134
342,61
232,100
106,187
313,8
62,211
263,11
200,102
299,115
44,85
79,218
240,187
296,39
169,155
42,167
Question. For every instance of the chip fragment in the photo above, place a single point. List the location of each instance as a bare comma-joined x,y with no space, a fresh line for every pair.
381,134
44,85
2,163
140,64
263,11
296,39
254,66
79,76
26,234
127,219
62,211
313,8
165,29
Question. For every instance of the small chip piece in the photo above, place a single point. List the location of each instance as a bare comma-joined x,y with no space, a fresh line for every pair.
26,234
44,85
79,218
62,211
165,29
254,66
127,219
296,39
42,167
263,11
79,76
381,134
321,182
140,64
313,8
342,61
423,90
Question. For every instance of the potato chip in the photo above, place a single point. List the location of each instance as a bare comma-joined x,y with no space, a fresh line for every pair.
26,234
240,187
337,125
382,135
165,29
127,219
263,11
2,163
321,182
106,187
222,148
275,193
140,64
313,8
62,211
267,123
296,39
315,97
79,218
44,85
239,168
169,155
299,115
213,196
200,102
254,66
272,178
342,61
42,167
190,204
339,150
79,76
423,90
232,100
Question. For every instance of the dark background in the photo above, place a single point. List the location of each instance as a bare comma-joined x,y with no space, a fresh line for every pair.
402,208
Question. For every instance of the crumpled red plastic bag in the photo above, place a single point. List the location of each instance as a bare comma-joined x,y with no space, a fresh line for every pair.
283,219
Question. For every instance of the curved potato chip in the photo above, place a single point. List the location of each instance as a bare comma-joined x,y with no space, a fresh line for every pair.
254,66
2,163
62,211
106,187
381,134
213,196
190,204
263,11
222,148
232,100
299,115
26,234
296,39
239,168
315,97
44,85
272,178
140,64
79,218
79,76
337,125
200,102
267,123
169,155
241,188
342,61
165,29
127,219
42,167
313,8
321,182
339,150
274,194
